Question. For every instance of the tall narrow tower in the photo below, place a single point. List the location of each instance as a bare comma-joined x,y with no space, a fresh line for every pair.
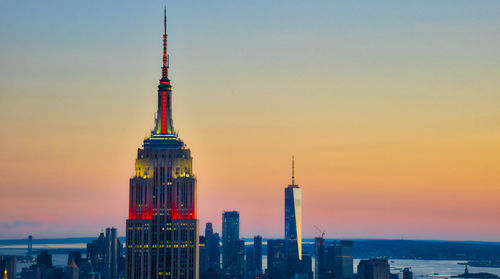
162,229
293,225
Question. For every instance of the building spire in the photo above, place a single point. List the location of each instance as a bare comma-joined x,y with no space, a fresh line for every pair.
293,170
164,124
165,55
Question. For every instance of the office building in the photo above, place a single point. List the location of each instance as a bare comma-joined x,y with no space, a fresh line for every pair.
293,225
407,274
241,258
30,244
374,269
203,256
344,260
231,246
44,259
306,267
249,262
162,229
71,270
105,254
276,259
212,243
111,256
8,266
319,256
257,244
334,261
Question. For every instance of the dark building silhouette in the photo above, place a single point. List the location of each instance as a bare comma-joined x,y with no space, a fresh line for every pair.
306,270
343,264
253,258
334,261
293,226
8,266
71,270
241,258
30,244
212,244
43,269
105,254
32,272
111,256
319,255
203,256
75,257
86,271
232,265
250,261
257,244
162,229
407,274
374,269
276,259
96,253
44,259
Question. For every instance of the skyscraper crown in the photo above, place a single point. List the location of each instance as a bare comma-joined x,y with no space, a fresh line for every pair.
164,134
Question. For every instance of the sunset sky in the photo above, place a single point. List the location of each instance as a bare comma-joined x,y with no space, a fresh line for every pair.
391,108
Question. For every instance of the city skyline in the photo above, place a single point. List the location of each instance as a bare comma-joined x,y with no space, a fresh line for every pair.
394,137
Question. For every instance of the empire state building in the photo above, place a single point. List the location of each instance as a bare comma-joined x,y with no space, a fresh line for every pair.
162,229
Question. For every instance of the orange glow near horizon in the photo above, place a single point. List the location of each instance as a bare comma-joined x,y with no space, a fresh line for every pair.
392,113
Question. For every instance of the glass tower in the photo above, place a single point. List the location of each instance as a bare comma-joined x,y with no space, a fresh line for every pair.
293,225
232,265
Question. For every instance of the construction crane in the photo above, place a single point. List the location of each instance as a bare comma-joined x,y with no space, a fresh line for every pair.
322,232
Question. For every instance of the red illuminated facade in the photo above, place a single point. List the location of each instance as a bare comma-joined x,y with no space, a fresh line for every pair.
162,229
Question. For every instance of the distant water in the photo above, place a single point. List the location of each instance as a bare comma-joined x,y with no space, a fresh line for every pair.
435,269
431,269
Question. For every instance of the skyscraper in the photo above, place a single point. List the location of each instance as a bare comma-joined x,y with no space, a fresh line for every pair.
30,244
202,256
334,261
319,255
293,225
373,269
231,246
276,260
44,259
213,247
257,244
8,266
407,274
250,262
306,267
162,229
111,256
346,261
